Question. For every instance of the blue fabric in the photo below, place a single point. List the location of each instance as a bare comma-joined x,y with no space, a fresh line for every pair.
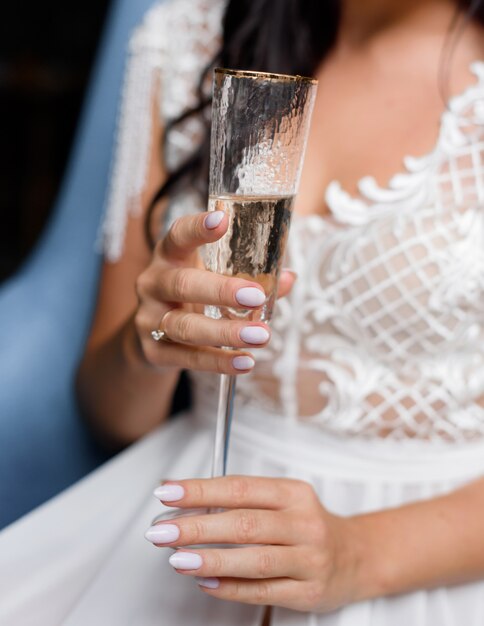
45,310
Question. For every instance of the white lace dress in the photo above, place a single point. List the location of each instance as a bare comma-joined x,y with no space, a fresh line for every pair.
372,388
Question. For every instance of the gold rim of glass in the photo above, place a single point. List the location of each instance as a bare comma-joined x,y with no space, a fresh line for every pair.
266,75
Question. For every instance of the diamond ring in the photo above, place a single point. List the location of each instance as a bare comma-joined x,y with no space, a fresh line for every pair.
161,335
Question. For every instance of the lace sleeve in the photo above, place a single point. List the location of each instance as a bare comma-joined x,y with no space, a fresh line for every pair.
171,47
133,140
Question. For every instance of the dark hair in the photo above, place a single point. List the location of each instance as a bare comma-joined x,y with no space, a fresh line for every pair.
282,36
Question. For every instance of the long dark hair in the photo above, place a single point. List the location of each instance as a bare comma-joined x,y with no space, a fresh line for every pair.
282,36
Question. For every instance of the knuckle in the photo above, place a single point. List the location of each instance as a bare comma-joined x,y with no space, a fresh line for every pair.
216,563
175,234
167,321
194,359
197,531
233,591
317,531
284,490
304,491
262,593
198,227
142,285
159,248
222,363
266,564
317,561
315,593
148,353
239,490
224,290
183,330
140,322
228,336
310,493
181,285
246,527
197,492
153,356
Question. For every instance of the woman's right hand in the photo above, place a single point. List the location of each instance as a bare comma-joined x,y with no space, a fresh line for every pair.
172,292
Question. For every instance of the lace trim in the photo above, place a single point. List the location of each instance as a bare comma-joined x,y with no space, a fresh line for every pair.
133,142
411,189
172,46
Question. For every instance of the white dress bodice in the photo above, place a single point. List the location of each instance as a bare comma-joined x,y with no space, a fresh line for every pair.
383,334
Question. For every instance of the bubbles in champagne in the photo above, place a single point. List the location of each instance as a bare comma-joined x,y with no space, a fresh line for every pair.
253,246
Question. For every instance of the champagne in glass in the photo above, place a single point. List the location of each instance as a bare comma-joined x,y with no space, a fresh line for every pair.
253,247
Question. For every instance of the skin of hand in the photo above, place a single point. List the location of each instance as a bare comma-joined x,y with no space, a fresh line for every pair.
171,294
292,552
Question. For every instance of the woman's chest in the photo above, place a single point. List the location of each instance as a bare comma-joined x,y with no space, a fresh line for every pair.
404,286
368,116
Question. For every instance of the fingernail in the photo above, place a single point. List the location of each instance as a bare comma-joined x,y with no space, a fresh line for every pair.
209,583
185,560
254,334
243,363
250,296
213,219
162,533
169,493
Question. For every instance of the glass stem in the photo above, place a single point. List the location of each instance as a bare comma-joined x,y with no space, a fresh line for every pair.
224,422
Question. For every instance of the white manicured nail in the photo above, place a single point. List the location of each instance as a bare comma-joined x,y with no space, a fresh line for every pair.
185,561
162,533
214,219
243,363
209,583
250,296
169,493
254,334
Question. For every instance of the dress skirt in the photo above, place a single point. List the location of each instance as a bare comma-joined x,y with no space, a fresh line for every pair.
81,559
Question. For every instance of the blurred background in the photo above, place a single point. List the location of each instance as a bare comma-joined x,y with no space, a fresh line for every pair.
46,52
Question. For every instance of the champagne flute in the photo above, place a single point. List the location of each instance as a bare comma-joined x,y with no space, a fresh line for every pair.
260,126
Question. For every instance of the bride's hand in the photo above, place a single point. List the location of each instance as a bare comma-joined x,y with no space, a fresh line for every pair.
299,555
171,294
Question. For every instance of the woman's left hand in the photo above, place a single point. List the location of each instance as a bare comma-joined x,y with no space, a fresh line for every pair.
293,553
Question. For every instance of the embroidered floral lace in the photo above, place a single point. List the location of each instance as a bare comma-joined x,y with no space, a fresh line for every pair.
383,335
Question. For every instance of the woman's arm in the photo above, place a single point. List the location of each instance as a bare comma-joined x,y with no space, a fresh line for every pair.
121,396
421,545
